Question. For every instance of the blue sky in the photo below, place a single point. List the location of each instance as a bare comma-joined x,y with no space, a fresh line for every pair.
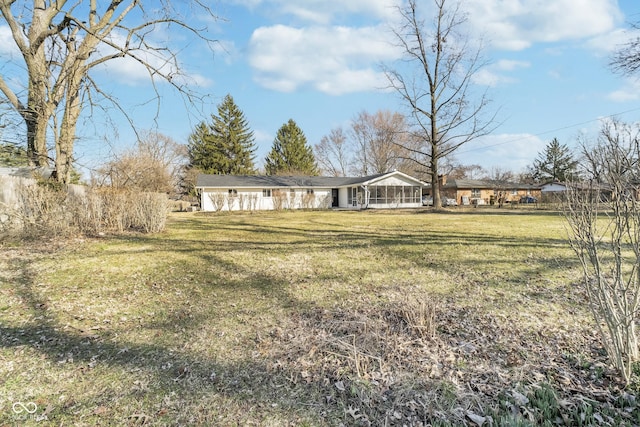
317,62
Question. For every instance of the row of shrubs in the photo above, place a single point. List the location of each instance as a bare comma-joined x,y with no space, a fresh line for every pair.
44,209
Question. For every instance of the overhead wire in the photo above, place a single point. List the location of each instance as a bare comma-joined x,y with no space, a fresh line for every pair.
484,147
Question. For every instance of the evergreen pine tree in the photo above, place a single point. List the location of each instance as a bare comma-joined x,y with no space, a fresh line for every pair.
225,146
555,163
291,154
12,155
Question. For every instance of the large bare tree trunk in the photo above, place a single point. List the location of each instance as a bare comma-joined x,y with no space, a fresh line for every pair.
36,122
38,109
65,143
435,179
438,89
60,43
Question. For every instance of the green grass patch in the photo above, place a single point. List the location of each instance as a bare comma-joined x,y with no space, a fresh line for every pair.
303,318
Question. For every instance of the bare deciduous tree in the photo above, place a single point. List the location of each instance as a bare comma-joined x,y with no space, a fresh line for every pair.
156,164
498,174
626,59
437,87
379,142
333,153
61,42
458,171
604,231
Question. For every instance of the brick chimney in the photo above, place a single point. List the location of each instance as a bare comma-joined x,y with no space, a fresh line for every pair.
442,179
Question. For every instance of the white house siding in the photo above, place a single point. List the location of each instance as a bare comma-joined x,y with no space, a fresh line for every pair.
553,187
343,197
228,192
253,199
393,180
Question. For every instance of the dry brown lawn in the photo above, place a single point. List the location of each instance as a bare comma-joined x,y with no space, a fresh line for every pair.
306,318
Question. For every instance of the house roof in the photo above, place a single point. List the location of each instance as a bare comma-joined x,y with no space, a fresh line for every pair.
274,181
473,183
576,185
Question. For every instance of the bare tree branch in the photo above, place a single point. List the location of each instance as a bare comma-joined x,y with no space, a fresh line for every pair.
60,47
626,59
604,230
438,88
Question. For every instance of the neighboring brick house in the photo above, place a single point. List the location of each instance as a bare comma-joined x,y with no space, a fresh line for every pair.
471,191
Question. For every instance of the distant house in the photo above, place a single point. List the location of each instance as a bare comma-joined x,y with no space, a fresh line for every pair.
246,192
469,191
553,187
605,192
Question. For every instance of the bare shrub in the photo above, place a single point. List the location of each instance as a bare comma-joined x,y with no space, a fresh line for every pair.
279,198
293,200
116,215
604,231
253,202
308,200
326,202
149,212
218,200
42,209
242,202
88,212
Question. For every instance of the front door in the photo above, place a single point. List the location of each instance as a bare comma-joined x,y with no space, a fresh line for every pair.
334,198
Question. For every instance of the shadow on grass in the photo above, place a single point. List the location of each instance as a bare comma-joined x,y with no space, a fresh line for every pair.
455,251
209,391
250,382
322,233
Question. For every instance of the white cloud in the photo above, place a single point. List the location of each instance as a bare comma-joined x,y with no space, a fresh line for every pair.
508,151
516,25
629,92
334,60
132,72
7,44
227,50
511,65
323,11
623,95
554,74
605,44
341,59
487,77
494,74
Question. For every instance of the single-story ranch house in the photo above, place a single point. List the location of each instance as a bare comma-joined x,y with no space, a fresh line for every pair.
469,191
606,192
247,192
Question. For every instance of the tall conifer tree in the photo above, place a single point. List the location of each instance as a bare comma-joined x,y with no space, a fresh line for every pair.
225,146
555,163
290,154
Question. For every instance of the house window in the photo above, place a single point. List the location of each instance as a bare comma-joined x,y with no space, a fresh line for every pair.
352,196
378,194
233,192
514,192
408,194
292,191
266,192
475,192
309,190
